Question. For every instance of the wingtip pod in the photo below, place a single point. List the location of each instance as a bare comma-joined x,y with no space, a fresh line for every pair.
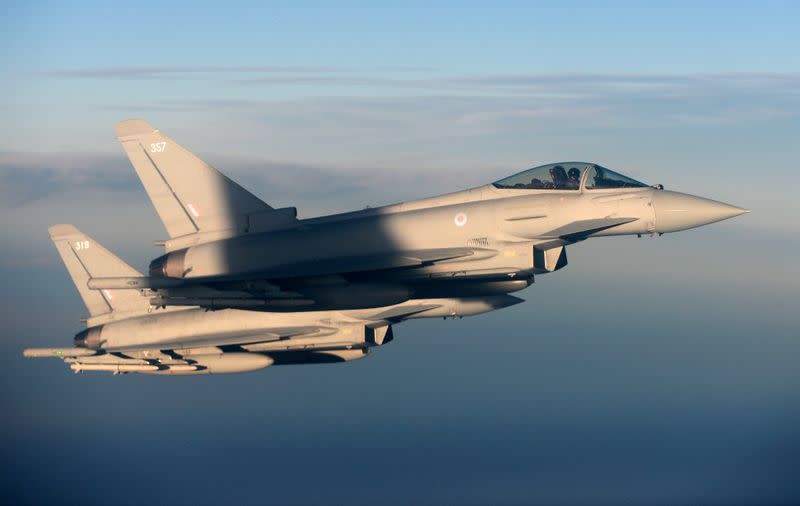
133,127
57,352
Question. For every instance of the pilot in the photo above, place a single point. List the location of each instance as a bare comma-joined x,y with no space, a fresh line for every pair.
574,178
599,178
559,176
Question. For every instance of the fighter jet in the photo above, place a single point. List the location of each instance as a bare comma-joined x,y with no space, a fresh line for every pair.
126,334
241,280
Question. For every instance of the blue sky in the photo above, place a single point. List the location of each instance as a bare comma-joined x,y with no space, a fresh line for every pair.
689,397
450,36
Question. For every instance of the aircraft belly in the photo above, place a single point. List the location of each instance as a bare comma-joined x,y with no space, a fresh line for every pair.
470,288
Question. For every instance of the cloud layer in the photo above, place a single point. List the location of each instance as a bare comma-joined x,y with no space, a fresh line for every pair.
213,71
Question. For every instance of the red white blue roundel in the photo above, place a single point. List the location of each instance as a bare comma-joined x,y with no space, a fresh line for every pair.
460,220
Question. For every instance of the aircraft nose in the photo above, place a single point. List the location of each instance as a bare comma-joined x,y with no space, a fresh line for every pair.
679,211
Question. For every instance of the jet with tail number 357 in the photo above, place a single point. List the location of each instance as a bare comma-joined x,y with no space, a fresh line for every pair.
242,285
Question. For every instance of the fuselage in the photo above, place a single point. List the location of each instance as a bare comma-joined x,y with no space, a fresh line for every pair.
482,241
323,330
501,228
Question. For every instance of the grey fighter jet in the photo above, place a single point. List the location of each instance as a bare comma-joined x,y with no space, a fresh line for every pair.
249,285
126,334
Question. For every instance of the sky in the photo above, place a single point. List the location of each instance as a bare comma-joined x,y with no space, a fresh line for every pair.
652,370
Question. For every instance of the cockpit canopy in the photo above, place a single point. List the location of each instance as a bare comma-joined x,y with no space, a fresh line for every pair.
567,176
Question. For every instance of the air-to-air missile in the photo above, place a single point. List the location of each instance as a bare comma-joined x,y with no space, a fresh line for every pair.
243,285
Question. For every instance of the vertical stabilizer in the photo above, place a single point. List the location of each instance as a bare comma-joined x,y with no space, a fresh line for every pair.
85,259
190,196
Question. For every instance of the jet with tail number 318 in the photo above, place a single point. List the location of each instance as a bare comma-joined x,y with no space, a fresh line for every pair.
242,285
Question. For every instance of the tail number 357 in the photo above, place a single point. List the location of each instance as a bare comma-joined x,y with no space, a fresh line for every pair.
158,147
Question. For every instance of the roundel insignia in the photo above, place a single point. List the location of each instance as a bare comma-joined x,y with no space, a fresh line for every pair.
460,220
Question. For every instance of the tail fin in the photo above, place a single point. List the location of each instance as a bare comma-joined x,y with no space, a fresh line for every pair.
190,196
85,259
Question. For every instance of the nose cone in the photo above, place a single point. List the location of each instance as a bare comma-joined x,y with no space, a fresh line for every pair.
679,211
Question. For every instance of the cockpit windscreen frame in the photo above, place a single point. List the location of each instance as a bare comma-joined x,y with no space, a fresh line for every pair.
567,176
